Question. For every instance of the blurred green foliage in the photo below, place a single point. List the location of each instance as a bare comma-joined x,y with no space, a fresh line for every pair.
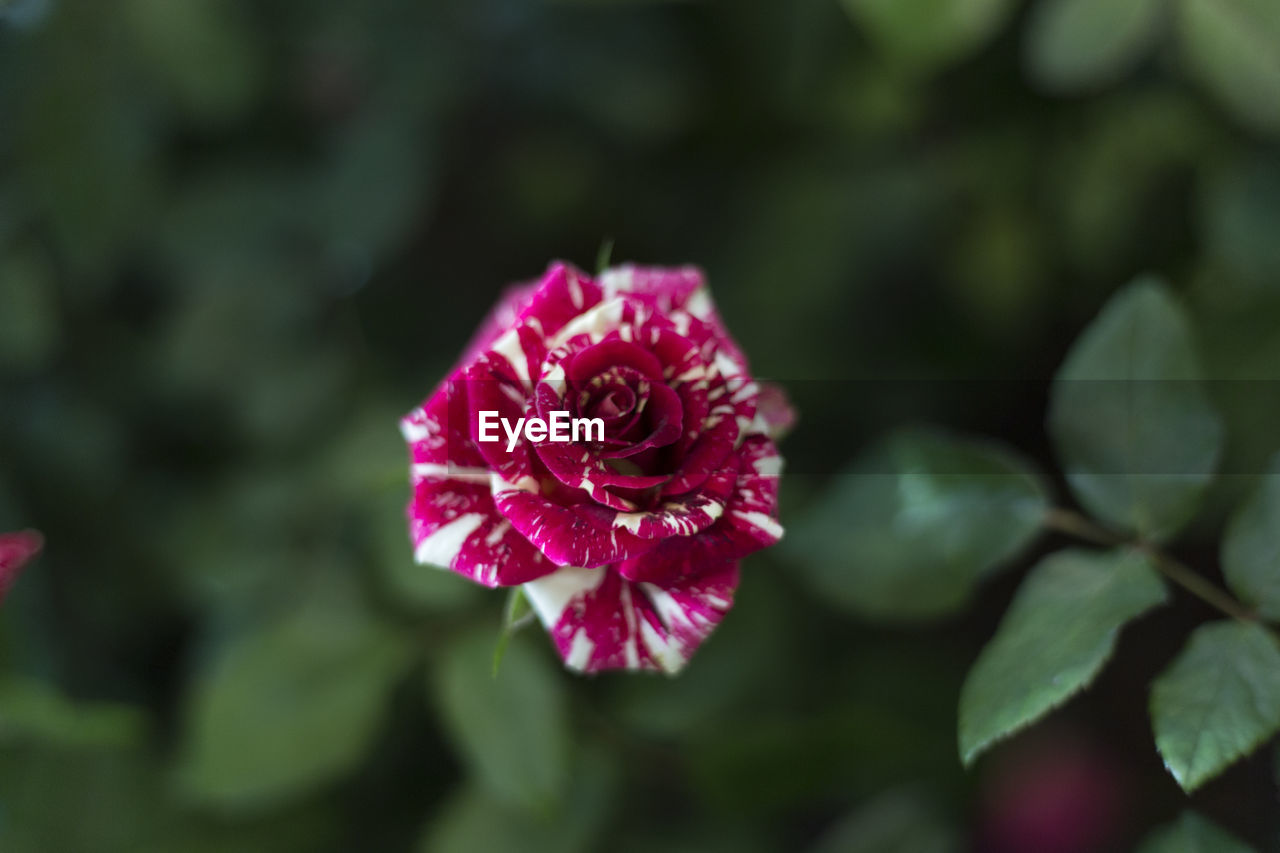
238,239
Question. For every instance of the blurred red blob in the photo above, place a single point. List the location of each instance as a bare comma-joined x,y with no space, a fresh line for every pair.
16,550
1060,795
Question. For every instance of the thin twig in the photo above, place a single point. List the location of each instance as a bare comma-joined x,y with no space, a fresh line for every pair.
1074,524
1196,584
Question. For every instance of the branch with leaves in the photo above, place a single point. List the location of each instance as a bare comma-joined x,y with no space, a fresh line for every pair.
926,516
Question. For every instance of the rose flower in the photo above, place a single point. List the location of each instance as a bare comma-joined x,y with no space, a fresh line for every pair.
627,545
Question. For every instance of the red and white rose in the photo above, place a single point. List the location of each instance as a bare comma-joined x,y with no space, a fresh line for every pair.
627,547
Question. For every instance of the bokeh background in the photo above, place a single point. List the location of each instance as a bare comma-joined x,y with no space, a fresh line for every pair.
239,239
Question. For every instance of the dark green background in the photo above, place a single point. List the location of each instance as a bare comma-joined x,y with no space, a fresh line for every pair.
239,239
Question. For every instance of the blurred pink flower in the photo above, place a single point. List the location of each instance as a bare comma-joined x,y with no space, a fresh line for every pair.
16,550
1054,794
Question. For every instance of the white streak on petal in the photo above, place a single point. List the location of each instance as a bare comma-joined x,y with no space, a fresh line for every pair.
495,535
630,648
693,373
415,430
555,376
509,347
746,392
727,366
513,394
575,291
630,520
671,613
663,652
768,466
761,521
580,651
614,281
602,318
440,546
498,485
550,595
699,303
449,471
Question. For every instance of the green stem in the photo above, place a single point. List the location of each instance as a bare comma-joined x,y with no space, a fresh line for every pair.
1074,524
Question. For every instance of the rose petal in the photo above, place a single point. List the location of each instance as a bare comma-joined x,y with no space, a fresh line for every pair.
453,522
485,390
569,535
438,432
576,467
610,354
748,523
599,620
454,525
684,515
775,416
562,295
672,292
666,288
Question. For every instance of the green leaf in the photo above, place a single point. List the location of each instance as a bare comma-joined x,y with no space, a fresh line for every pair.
85,146
1053,641
122,802
290,704
1230,46
1078,45
1251,549
30,330
200,52
928,34
916,523
1217,701
895,822
473,819
511,729
1135,431
34,711
1111,173
77,799
1239,218
1191,833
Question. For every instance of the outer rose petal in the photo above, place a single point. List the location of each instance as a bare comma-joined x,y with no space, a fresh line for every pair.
775,416
452,519
16,550
600,620
666,288
563,294
588,534
671,289
568,535
454,524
